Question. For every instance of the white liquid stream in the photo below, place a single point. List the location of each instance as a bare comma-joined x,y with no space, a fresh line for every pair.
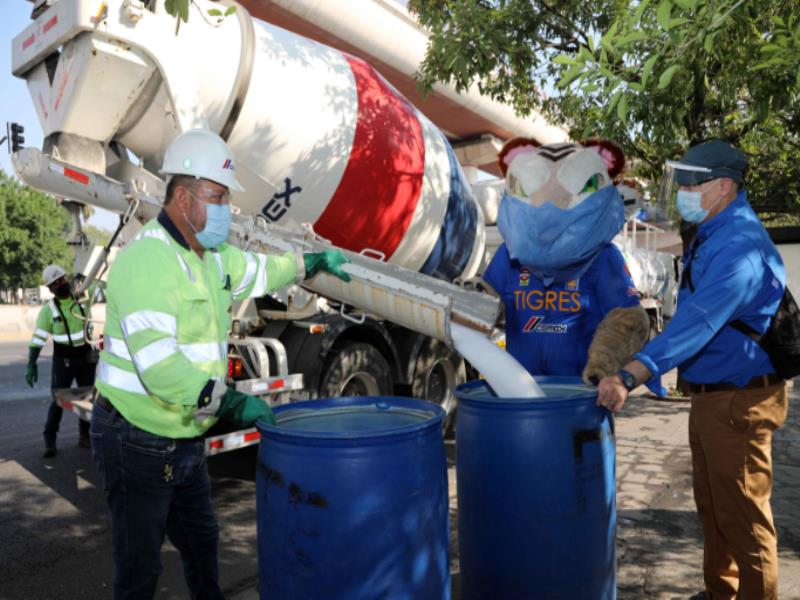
508,378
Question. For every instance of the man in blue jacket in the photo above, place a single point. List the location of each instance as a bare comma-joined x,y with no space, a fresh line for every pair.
732,271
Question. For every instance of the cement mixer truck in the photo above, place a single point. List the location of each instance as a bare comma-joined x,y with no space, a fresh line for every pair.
321,138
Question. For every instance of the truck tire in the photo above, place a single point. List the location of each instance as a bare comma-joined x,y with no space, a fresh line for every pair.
437,372
356,369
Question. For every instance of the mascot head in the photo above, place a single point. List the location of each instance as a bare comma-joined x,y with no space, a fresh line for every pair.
560,206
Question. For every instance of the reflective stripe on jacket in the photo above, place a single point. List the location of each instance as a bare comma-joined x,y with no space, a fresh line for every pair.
49,322
168,314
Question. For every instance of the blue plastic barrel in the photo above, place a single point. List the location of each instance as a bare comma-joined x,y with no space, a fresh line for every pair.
352,501
536,494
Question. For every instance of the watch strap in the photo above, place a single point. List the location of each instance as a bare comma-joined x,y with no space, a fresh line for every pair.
628,380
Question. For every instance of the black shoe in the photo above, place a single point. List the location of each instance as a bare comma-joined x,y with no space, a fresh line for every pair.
699,596
49,446
84,441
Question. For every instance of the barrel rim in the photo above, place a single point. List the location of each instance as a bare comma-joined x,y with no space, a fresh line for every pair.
495,401
435,411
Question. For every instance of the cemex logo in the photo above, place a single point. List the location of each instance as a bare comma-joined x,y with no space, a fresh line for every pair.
280,202
537,325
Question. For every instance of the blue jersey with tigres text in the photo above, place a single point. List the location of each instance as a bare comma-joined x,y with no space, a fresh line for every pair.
549,328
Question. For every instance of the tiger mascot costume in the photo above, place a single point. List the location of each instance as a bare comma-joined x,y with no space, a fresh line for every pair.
571,307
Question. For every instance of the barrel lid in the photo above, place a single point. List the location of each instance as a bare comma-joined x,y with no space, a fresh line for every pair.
354,417
559,389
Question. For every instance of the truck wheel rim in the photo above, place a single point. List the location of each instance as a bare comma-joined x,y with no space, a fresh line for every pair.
440,384
360,384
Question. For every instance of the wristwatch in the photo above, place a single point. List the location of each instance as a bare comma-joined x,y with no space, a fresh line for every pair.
628,380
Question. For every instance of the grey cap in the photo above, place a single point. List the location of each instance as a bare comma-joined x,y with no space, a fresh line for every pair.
717,158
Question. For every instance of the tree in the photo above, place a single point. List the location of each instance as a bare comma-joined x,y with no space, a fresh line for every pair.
653,75
96,236
33,229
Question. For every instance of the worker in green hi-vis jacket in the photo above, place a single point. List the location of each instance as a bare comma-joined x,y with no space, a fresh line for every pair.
63,317
161,376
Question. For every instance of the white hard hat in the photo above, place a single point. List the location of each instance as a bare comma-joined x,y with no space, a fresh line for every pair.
201,153
51,273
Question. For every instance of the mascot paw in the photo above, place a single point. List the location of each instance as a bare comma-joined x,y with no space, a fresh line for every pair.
620,335
599,366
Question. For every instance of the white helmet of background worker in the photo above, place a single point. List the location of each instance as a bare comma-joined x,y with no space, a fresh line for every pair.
52,273
202,154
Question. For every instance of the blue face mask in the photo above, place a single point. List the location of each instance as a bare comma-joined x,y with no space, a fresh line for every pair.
218,224
690,207
560,244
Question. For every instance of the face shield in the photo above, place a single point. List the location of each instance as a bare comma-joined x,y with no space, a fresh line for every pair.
676,174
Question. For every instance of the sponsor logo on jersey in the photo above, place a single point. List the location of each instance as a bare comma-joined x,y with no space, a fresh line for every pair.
537,325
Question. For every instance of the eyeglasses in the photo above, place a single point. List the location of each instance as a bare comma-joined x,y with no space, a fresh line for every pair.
220,198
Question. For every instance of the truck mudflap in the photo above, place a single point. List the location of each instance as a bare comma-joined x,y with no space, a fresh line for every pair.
80,400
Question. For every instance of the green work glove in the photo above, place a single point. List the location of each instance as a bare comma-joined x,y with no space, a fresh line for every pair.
330,261
243,410
32,371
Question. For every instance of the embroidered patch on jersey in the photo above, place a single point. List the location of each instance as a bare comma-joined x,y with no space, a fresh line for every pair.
524,277
537,325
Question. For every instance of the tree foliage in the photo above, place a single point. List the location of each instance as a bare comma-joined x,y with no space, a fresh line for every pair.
33,229
96,236
180,10
654,75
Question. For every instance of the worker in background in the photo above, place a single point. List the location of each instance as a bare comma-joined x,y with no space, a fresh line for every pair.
64,318
161,375
732,272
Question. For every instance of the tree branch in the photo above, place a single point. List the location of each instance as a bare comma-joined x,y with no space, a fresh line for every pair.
569,25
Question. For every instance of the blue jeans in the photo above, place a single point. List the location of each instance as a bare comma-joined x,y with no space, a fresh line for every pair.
155,486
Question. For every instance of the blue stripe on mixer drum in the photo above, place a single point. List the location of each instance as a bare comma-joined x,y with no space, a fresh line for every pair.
449,256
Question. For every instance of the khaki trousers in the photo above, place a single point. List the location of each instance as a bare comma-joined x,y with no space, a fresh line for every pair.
730,435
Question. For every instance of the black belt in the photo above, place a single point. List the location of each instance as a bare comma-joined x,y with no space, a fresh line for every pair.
757,382
101,400
67,351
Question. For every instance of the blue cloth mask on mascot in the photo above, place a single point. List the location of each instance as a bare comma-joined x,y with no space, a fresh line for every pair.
560,244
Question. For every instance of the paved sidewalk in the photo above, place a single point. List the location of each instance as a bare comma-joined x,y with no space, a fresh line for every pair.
659,541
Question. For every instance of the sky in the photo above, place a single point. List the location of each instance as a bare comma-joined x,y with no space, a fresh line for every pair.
16,102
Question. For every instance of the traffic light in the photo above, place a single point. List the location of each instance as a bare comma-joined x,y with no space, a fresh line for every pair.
17,139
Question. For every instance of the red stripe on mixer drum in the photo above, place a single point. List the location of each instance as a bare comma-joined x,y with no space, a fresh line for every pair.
381,184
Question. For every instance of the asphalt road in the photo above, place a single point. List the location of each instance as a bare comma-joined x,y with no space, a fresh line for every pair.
55,540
